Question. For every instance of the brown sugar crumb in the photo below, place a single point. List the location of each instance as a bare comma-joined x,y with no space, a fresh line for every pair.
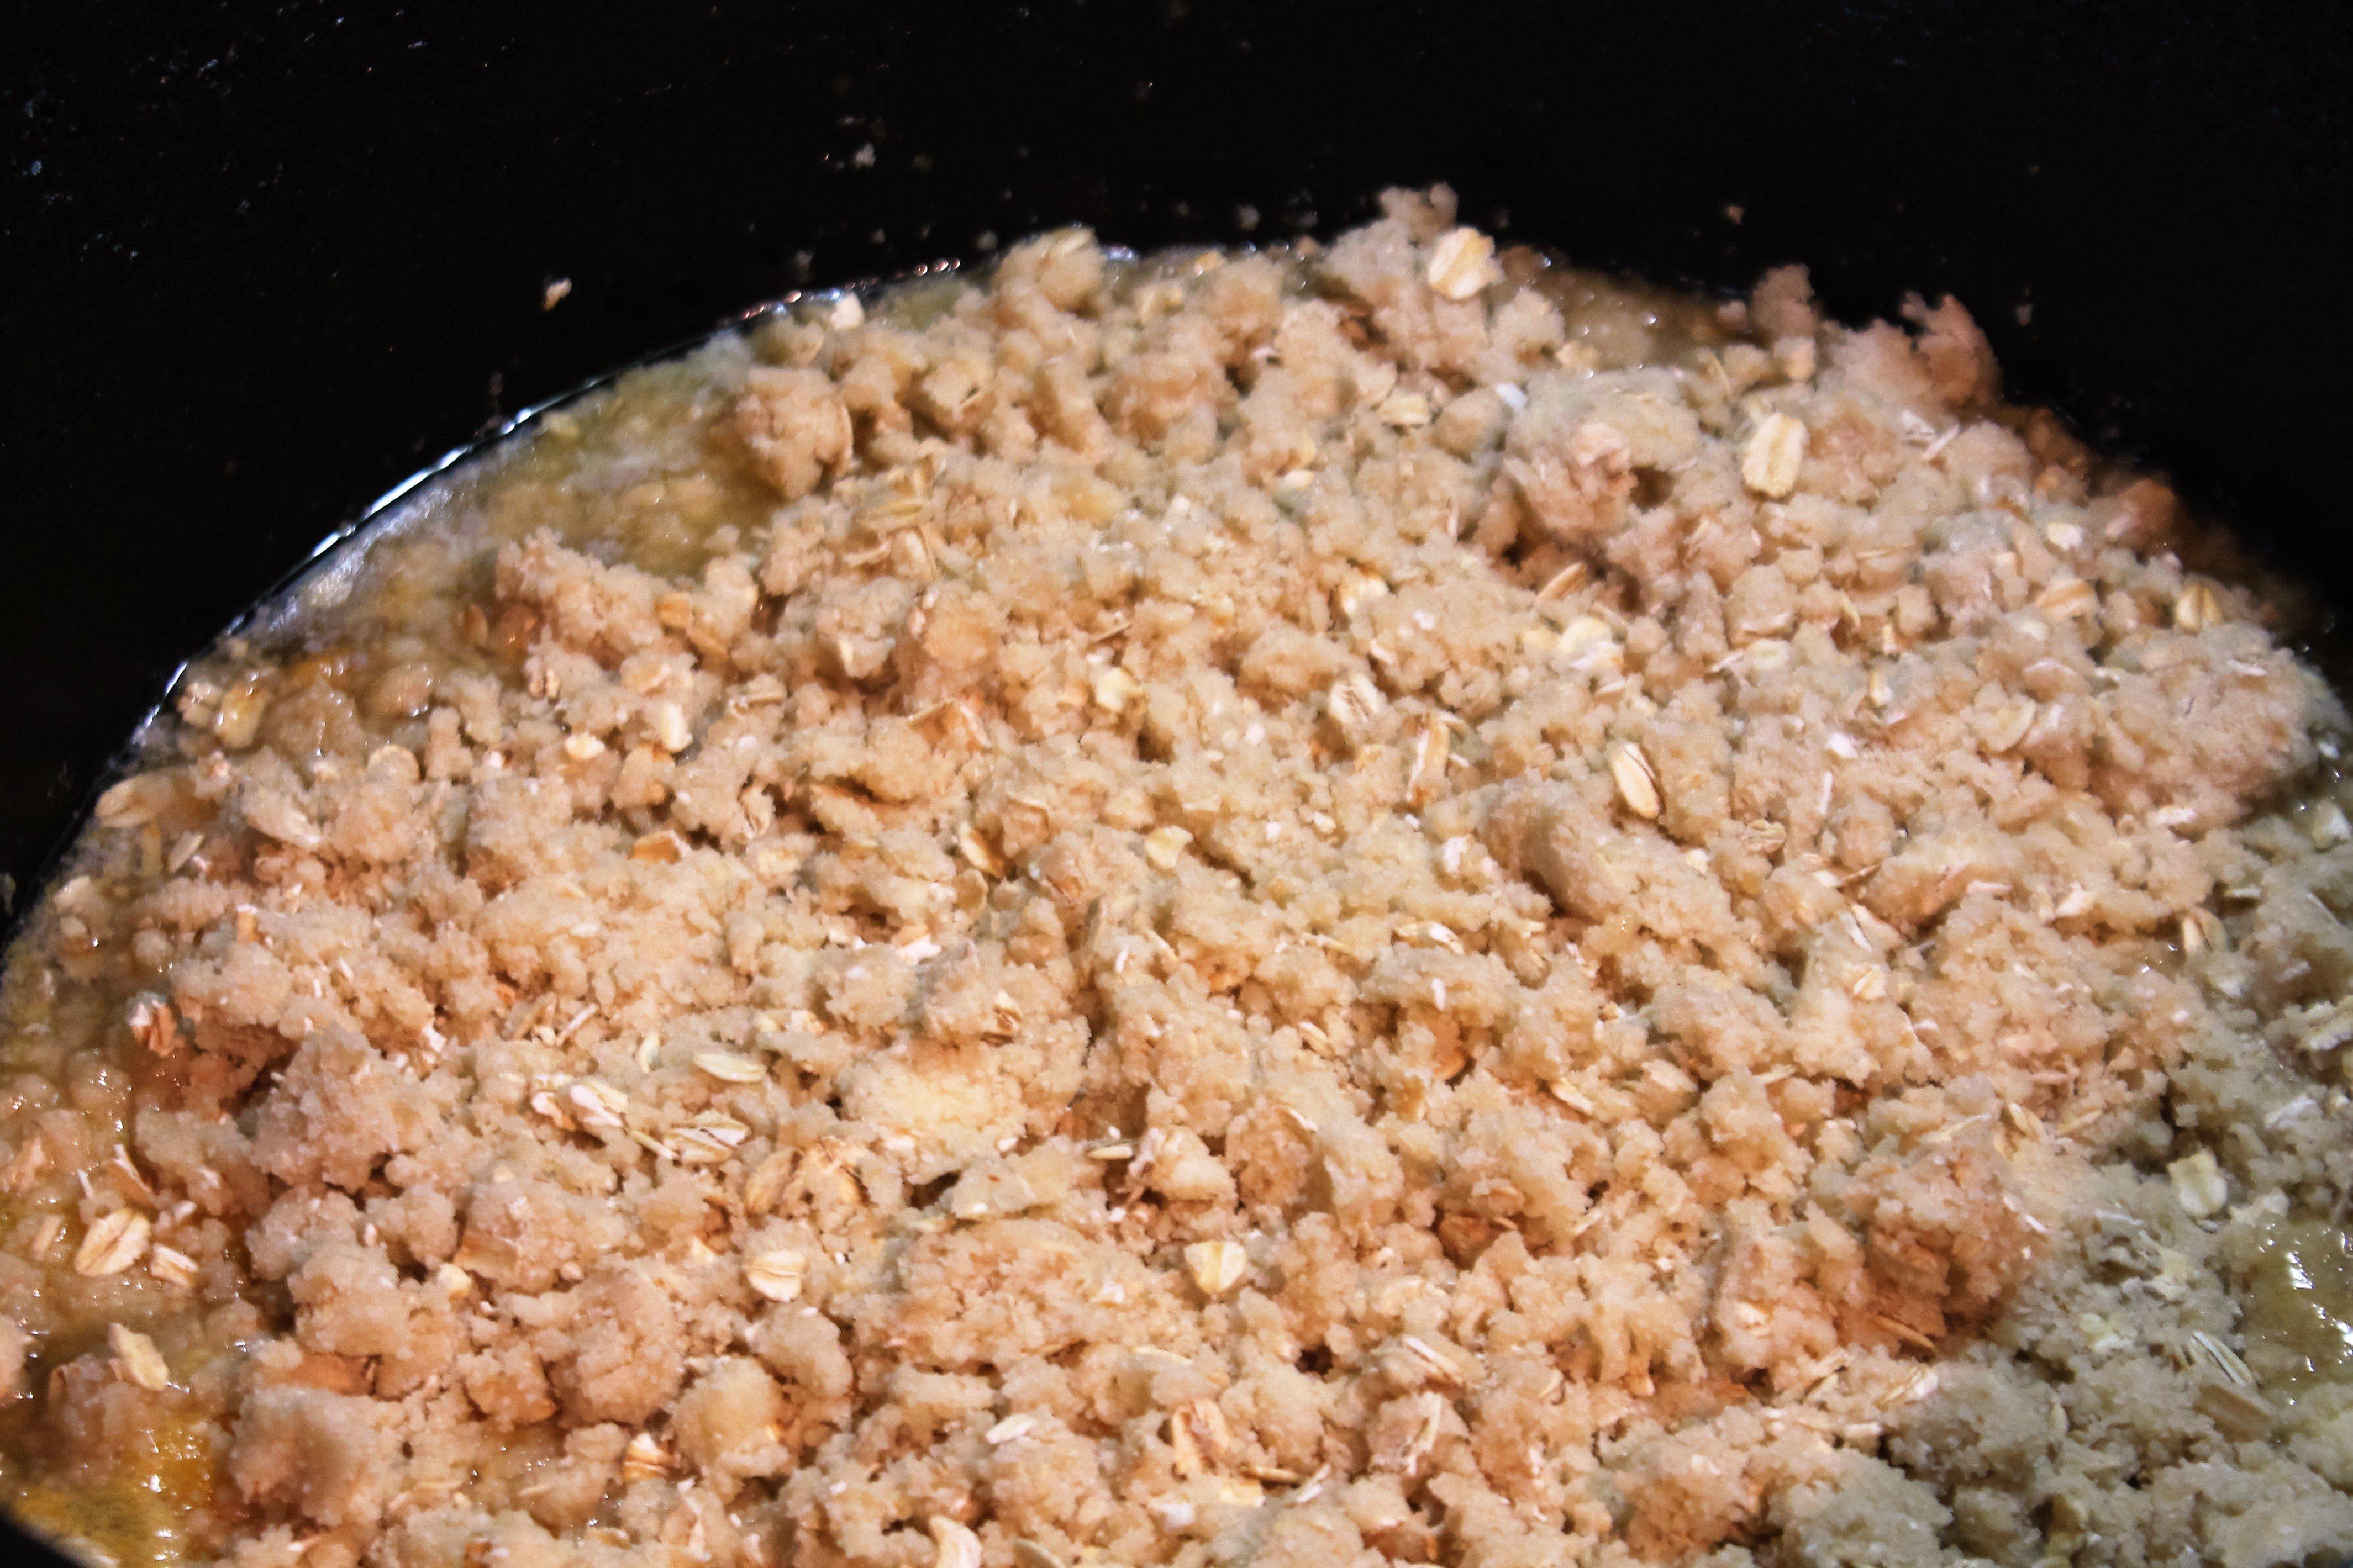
1385,904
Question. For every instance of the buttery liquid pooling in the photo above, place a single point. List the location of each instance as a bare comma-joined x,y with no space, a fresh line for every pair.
1371,904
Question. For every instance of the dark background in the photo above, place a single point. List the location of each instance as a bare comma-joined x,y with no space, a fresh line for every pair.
258,263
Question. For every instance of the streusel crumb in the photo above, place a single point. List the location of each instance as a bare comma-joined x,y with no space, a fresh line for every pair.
1359,905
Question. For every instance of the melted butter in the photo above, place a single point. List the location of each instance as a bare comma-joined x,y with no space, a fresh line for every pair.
2299,1302
138,1516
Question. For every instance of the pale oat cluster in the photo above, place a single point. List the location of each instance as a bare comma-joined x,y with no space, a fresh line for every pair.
1382,903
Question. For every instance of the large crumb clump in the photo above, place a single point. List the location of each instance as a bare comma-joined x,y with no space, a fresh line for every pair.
1369,905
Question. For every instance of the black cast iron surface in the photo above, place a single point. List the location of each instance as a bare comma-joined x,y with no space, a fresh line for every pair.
258,263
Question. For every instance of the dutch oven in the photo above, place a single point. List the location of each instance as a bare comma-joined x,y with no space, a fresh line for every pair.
258,263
